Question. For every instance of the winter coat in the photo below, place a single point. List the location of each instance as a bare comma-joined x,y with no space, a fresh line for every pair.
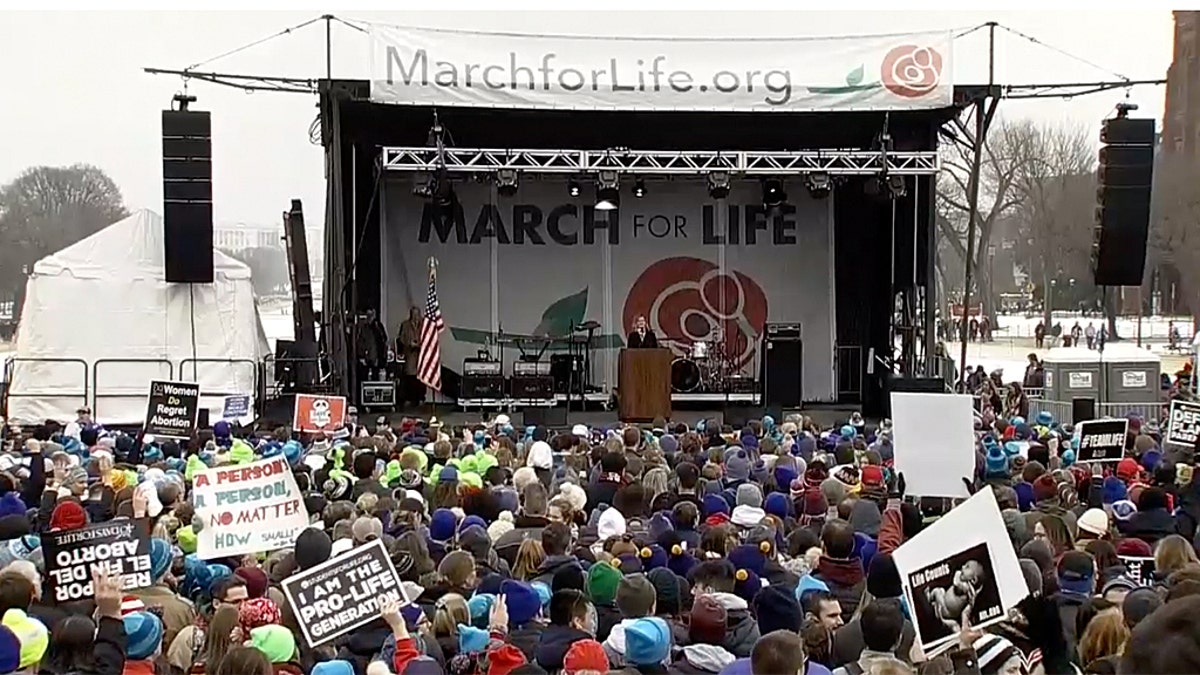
607,616
552,564
1149,526
526,638
741,630
848,642
108,651
553,645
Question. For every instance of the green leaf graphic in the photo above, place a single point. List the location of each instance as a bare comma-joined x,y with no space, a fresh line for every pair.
854,77
562,315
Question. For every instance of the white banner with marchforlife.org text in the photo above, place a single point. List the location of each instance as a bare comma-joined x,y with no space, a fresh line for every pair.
441,67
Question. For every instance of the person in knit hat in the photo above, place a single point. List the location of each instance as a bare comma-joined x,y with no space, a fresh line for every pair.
748,511
1047,502
524,609
585,656
706,633
648,645
718,579
176,613
602,582
572,619
144,639
883,585
636,598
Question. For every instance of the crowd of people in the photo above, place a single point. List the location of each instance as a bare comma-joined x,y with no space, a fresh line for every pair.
764,550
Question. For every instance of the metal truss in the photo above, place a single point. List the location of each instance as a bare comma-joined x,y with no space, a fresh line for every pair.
663,162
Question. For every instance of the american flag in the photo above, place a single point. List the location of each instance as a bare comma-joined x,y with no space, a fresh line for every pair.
429,362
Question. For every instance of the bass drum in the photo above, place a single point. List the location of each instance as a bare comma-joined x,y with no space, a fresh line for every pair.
685,376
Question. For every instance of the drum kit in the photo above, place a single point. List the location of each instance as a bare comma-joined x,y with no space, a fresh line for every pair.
706,366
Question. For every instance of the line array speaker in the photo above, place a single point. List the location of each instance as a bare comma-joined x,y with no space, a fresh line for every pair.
187,196
1123,210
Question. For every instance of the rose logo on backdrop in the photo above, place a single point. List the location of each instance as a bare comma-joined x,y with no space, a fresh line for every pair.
688,300
911,71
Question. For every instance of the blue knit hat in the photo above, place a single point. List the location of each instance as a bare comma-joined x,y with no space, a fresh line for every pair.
747,584
995,464
715,504
1012,448
471,520
522,601
680,560
480,605
160,558
1151,459
809,583
777,503
784,475
1044,418
777,609
749,557
1112,491
543,592
1024,496
335,667
472,640
647,642
292,452
10,650
442,524
848,432
653,557
144,634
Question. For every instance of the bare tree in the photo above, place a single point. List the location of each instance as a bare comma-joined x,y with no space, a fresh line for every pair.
1056,183
48,208
1003,149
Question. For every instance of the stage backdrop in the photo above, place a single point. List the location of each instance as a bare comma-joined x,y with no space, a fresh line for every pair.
541,261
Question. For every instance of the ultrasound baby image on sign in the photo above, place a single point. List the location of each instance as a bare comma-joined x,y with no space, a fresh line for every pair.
961,586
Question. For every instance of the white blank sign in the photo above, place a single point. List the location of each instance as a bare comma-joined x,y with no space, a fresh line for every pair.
934,440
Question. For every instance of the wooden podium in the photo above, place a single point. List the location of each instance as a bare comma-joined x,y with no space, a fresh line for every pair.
644,384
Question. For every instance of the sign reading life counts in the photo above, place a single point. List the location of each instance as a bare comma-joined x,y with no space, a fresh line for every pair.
172,409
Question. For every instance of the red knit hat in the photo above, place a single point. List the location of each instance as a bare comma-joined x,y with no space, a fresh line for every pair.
1135,548
68,515
1127,469
872,475
1045,488
585,655
504,660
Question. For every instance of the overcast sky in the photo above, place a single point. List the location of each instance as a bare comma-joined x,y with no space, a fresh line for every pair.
75,90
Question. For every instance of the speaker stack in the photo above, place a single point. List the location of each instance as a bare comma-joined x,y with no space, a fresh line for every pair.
187,195
1123,212
782,357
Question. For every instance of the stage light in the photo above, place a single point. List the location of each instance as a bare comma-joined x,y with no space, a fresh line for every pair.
608,196
718,184
819,184
772,192
573,187
639,188
896,187
506,182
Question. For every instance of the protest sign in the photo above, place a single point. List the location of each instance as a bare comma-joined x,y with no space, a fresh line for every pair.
1183,425
339,595
120,547
962,564
1101,441
247,508
315,414
172,409
1139,569
235,407
934,464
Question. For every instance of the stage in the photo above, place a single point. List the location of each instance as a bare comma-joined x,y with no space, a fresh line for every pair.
713,220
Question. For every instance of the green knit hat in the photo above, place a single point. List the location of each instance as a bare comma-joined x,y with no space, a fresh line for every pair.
602,581
186,536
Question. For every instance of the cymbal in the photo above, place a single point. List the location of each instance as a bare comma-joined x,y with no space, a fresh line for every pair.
588,325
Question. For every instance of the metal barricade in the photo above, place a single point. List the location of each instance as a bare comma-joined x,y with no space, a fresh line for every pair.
279,376
1147,411
140,389
255,369
1060,410
10,370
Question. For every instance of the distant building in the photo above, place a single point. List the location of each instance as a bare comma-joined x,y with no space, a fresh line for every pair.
237,237
1181,123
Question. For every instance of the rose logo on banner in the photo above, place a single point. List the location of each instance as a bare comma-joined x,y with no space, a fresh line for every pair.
690,300
911,71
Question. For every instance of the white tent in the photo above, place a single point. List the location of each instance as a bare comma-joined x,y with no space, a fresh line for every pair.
100,321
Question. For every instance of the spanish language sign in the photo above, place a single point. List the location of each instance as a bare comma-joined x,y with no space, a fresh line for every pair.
1101,441
120,547
248,508
337,596
1184,424
172,409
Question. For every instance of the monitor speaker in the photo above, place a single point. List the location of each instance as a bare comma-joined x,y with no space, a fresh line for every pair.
187,196
781,372
1082,410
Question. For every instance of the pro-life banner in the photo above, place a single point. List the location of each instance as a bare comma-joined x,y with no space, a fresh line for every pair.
120,547
963,565
172,409
248,508
1101,440
1183,426
339,595
315,414
444,67
1139,569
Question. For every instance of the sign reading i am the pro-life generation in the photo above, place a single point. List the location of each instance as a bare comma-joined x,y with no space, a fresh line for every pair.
339,595
248,508
172,409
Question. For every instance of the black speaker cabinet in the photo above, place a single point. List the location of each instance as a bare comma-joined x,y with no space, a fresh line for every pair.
482,386
1126,173
538,387
187,196
554,416
1082,410
782,360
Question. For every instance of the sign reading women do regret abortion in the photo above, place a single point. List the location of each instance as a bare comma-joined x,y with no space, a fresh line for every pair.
247,508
